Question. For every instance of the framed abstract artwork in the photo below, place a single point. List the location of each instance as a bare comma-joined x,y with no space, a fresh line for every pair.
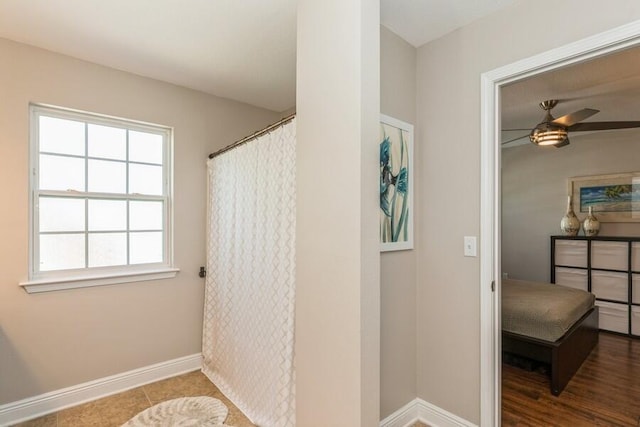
613,197
396,184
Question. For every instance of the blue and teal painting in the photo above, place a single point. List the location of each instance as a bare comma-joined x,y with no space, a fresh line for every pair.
610,198
394,185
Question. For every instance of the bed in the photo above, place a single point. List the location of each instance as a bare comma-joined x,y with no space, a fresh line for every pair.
551,324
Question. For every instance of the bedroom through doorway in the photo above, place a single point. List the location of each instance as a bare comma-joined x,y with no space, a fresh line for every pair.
524,197
536,182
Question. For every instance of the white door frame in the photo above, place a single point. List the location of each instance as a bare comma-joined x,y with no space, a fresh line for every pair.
491,82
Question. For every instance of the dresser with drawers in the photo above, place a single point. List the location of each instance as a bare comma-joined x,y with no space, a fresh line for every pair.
608,267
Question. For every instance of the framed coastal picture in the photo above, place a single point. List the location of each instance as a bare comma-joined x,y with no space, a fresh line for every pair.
613,197
396,184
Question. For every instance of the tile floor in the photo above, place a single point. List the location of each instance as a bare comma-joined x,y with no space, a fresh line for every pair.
113,411
117,409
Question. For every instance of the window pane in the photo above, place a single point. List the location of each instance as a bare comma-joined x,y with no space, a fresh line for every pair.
145,247
106,249
145,147
145,215
60,214
101,193
107,142
107,215
107,177
61,136
61,251
145,179
61,173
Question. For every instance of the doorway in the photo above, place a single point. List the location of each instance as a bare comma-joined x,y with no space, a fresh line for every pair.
491,269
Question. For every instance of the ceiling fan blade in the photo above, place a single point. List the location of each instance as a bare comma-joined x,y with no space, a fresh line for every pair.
575,117
581,127
513,130
515,139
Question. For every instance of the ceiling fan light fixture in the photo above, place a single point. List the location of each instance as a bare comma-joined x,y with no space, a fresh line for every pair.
555,132
548,134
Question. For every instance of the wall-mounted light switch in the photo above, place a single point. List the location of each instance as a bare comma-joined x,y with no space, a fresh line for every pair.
470,246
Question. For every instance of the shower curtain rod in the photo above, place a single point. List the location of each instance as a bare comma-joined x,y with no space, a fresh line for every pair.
253,136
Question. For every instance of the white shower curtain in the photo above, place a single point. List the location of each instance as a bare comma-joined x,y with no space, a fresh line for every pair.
248,332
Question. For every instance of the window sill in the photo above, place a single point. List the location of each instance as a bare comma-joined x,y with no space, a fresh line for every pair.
62,283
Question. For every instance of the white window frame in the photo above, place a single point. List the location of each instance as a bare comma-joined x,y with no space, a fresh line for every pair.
43,281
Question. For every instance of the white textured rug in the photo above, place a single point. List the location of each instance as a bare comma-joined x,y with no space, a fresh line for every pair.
185,411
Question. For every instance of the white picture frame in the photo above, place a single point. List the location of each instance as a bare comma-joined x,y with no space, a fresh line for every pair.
396,184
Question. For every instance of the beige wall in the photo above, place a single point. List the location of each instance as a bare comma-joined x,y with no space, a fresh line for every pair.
398,269
448,117
534,194
58,339
337,266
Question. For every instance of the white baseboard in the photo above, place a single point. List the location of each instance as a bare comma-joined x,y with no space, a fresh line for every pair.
438,417
54,401
425,412
403,417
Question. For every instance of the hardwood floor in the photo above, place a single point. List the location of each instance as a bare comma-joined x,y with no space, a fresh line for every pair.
604,392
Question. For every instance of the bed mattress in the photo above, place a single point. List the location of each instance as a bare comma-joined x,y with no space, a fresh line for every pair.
542,310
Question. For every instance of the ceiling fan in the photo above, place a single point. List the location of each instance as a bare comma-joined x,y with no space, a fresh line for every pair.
555,132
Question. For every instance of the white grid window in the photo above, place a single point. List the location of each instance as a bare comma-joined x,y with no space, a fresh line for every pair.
100,199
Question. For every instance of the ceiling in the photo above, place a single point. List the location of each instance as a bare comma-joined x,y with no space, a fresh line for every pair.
243,50
420,21
246,50
610,84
